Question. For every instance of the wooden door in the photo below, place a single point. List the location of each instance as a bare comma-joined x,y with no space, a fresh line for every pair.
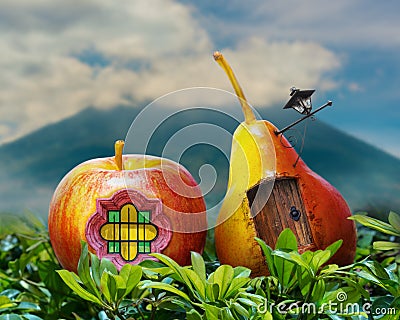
283,209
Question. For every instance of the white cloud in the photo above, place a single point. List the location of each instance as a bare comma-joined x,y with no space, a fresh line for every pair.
4,130
43,80
355,87
355,24
149,48
268,69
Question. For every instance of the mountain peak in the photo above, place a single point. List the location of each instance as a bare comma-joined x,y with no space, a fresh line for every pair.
31,167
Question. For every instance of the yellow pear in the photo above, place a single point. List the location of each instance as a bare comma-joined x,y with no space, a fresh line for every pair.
270,189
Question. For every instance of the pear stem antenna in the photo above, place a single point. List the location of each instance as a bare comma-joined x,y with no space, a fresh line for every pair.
248,113
118,147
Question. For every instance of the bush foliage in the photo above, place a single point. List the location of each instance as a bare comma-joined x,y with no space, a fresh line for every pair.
299,286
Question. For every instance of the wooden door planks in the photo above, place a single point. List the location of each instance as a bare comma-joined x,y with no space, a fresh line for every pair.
273,215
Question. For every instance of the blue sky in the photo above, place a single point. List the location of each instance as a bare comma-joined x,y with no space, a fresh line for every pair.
58,57
363,35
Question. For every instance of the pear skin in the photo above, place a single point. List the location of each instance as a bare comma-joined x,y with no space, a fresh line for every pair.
260,157
325,209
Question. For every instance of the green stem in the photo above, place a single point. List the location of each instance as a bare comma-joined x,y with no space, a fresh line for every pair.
308,297
153,312
35,284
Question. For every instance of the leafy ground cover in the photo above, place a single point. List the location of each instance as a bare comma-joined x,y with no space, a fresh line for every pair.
299,286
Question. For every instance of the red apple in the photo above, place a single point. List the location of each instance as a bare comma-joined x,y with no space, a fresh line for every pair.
126,207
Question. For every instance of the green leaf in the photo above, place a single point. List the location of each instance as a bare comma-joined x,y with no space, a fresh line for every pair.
334,247
107,265
223,277
212,312
236,284
151,264
286,240
198,265
19,265
25,305
267,316
52,280
198,284
104,286
176,268
70,281
318,291
345,295
83,263
155,273
31,317
377,269
84,271
164,286
95,266
307,256
121,287
368,276
396,303
304,280
319,258
11,316
353,296
295,258
241,272
5,303
109,286
174,303
225,314
375,224
329,269
193,315
248,302
34,289
392,286
355,283
132,275
246,298
394,220
386,245
241,310
35,245
267,250
212,291
10,293
215,291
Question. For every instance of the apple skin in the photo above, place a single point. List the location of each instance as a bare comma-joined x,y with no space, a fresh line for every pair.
326,211
74,202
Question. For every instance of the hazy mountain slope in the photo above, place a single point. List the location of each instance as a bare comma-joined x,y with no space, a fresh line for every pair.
31,167
368,177
47,154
